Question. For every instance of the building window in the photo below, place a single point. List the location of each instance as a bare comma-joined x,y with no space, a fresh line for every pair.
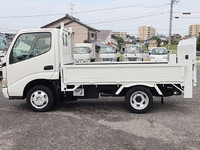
92,35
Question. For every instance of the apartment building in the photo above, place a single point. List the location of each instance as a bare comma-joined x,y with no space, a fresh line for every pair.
145,32
194,30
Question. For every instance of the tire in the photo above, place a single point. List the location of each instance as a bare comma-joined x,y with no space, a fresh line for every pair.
40,98
139,99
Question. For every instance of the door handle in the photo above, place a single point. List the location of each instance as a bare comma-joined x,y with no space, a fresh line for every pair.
49,67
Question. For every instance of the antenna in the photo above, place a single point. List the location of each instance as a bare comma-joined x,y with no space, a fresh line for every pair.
71,8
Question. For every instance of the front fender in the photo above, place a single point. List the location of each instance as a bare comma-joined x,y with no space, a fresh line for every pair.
16,89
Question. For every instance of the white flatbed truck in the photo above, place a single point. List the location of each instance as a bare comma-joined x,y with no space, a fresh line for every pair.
40,68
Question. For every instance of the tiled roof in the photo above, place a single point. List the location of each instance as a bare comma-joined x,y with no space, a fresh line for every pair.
73,19
103,34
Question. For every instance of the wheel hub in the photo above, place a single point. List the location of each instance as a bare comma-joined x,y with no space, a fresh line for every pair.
39,99
139,100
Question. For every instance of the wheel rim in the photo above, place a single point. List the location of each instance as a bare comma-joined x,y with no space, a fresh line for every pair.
139,100
39,99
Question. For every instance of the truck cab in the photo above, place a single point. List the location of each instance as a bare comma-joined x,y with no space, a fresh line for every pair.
159,54
84,52
32,56
134,53
109,54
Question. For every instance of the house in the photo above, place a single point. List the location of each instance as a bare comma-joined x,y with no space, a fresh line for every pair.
176,38
151,43
123,35
104,36
163,39
139,41
81,32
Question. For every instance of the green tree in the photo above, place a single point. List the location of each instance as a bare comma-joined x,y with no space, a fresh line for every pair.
130,37
158,40
119,40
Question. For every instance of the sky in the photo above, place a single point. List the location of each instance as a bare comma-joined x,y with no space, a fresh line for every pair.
115,15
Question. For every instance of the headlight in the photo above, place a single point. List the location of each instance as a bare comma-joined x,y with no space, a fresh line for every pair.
4,83
125,58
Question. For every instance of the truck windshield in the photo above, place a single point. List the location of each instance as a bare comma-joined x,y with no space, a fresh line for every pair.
158,51
108,50
3,43
133,49
82,50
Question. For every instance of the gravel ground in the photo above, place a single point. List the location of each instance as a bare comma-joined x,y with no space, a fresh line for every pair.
104,123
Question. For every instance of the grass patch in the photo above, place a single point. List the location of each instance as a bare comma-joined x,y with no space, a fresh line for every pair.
144,47
173,46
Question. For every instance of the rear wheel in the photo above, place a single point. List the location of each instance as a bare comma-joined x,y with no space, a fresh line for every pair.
139,99
40,98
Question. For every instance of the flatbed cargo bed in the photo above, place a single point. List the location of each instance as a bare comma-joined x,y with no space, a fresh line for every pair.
123,73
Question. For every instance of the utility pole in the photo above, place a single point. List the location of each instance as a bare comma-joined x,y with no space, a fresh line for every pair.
170,23
71,8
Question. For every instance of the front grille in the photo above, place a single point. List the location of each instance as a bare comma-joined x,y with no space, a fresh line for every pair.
132,59
107,59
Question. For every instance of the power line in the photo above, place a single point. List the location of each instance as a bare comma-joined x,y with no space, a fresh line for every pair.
87,11
31,16
123,19
121,7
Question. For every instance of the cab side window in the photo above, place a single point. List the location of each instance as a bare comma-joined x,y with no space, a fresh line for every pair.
30,45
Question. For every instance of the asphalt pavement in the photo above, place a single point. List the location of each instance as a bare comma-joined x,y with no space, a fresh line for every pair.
102,124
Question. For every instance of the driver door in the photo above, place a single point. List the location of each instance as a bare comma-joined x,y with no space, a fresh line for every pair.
31,57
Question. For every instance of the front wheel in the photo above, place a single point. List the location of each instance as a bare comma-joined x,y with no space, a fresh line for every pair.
40,98
139,99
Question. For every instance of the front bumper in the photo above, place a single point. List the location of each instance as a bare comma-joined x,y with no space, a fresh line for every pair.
107,59
82,60
5,92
